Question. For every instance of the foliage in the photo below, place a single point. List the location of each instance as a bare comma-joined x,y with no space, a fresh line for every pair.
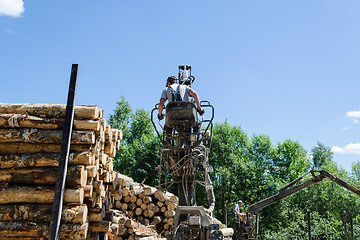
139,150
321,155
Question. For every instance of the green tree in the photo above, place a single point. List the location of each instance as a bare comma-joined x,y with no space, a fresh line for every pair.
321,155
290,161
139,150
121,118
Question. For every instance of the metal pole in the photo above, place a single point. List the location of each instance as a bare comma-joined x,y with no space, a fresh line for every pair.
64,156
351,226
225,214
345,229
308,223
257,227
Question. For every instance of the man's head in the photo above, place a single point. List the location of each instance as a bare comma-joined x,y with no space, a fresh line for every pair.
240,202
171,80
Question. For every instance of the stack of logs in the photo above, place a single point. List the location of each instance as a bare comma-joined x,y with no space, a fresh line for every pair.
30,143
148,206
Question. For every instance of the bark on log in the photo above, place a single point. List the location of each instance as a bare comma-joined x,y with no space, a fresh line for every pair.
96,214
32,229
42,213
20,194
27,121
22,148
76,176
124,180
43,160
50,110
33,135
103,226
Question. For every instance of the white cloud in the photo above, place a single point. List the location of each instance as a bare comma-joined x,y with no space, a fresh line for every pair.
351,148
353,114
12,8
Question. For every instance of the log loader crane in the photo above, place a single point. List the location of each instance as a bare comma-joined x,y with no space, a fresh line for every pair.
251,230
184,161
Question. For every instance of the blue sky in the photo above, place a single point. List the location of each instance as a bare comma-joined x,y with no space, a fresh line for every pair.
287,69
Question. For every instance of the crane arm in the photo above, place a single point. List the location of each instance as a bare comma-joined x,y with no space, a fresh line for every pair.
290,189
341,182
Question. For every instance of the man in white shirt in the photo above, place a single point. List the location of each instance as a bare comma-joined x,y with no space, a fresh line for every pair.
175,92
186,93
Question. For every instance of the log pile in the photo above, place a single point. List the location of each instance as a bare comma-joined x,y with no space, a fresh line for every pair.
30,143
147,205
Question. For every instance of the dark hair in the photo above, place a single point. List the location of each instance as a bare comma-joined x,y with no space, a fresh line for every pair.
171,79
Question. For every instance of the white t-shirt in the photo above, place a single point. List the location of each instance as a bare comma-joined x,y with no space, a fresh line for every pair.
183,89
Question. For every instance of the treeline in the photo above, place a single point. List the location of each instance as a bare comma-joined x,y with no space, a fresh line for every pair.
251,168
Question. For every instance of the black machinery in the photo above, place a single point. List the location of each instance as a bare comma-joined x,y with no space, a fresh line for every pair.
184,160
251,230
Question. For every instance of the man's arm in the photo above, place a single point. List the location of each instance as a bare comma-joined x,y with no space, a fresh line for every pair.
161,106
196,98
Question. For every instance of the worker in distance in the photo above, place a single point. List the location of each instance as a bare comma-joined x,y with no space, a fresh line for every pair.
238,215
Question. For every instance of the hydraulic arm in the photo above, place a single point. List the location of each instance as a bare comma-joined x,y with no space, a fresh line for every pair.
253,210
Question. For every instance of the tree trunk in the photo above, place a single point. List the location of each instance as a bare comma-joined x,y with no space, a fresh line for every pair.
20,194
27,121
31,229
76,176
42,213
50,110
103,226
44,160
22,148
33,135
96,214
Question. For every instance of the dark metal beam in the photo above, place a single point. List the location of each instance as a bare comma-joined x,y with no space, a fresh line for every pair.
345,227
64,156
309,224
